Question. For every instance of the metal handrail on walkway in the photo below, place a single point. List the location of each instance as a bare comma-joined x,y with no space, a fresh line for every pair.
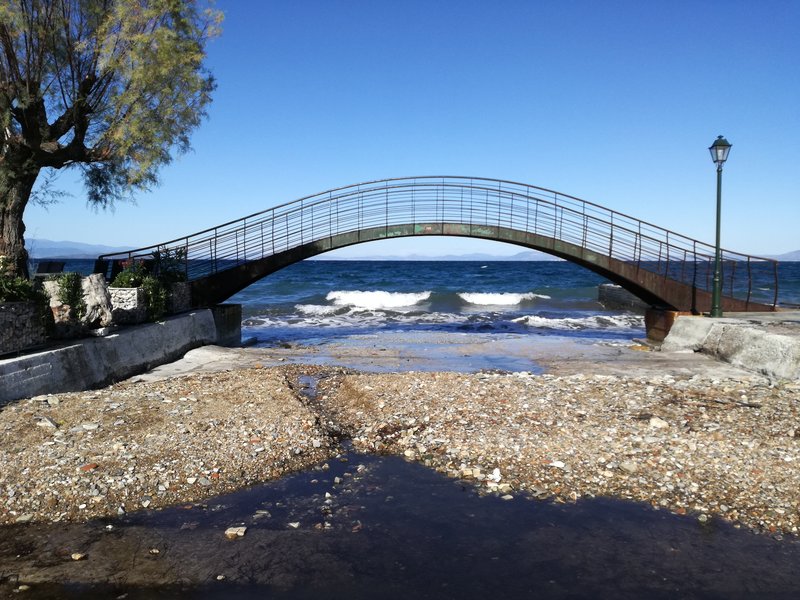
476,202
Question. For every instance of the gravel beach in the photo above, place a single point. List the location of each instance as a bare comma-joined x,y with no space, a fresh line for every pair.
706,442
726,448
129,446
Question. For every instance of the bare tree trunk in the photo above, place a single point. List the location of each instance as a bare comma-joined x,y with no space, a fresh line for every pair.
13,199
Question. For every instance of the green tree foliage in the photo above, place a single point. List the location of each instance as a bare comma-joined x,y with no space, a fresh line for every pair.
110,87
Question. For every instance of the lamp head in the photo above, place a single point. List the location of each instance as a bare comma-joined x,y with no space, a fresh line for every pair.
719,151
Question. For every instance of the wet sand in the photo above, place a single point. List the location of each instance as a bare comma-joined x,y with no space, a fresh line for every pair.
402,352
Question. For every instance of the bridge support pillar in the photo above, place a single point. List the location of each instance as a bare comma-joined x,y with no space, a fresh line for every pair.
228,321
659,321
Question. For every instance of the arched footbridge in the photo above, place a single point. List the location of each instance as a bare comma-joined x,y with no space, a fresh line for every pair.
663,268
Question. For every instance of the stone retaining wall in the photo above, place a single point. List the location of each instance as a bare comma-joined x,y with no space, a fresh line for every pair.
128,305
21,326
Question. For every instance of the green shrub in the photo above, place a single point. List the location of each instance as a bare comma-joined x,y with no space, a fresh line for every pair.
156,297
15,289
170,265
70,292
131,276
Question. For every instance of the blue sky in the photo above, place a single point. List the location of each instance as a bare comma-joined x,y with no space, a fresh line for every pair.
614,102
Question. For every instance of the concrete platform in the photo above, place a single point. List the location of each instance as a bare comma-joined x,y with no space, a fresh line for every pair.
767,343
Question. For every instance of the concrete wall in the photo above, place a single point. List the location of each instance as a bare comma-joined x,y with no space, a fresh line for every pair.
94,362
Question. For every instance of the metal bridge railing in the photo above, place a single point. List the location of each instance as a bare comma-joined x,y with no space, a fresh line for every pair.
478,202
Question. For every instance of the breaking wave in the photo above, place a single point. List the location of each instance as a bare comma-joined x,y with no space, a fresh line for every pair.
376,300
498,299
593,322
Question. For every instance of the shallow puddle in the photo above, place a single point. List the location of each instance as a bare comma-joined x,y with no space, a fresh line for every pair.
365,526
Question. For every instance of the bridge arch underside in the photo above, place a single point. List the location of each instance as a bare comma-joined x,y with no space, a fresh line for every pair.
653,288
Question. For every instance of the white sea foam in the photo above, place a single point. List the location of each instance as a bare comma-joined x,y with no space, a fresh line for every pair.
376,300
317,310
499,299
593,322
348,318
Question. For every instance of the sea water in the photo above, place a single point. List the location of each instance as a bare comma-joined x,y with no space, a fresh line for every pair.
318,301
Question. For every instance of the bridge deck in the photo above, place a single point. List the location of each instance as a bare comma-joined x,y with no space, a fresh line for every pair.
660,266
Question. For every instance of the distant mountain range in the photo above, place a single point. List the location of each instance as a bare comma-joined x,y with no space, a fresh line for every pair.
40,248
528,255
788,257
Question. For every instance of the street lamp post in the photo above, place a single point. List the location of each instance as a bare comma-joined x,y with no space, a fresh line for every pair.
719,154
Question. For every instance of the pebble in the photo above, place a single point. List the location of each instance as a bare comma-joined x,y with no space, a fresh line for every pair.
235,532
658,423
47,422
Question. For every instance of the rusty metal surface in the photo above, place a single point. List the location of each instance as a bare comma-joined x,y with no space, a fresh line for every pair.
659,265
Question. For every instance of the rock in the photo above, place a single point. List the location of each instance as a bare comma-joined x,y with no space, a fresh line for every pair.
558,464
204,482
77,556
47,422
97,300
538,492
88,467
26,518
658,423
235,532
628,466
495,476
294,525
90,426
